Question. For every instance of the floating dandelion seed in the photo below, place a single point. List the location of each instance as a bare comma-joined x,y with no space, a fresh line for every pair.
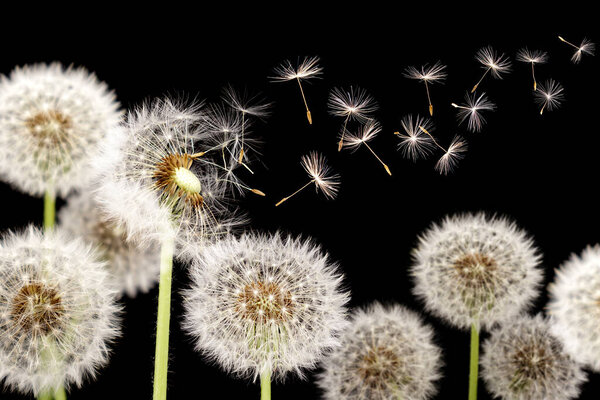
533,57
132,267
265,305
550,95
386,353
353,104
53,120
492,63
472,109
415,139
452,156
586,47
522,360
321,175
427,74
58,313
574,306
309,68
364,134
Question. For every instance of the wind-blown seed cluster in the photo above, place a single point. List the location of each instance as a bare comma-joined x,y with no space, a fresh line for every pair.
386,353
265,304
476,270
57,312
53,120
522,360
131,267
574,306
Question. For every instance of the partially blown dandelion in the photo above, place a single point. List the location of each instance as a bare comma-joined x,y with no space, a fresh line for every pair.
386,353
549,96
415,138
471,110
321,175
586,47
365,133
58,313
427,74
493,63
522,360
265,305
532,57
355,103
309,68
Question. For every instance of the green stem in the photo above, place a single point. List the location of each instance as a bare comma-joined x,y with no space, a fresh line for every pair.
474,364
161,358
265,386
60,394
44,396
49,209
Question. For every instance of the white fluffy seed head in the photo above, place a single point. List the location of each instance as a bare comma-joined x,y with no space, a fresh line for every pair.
471,110
132,267
550,95
574,306
414,142
491,61
52,122
306,69
315,165
522,360
157,181
265,304
476,270
365,133
427,73
57,311
386,353
449,160
532,56
354,103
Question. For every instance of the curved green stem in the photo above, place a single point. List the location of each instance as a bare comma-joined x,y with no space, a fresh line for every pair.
474,363
49,209
161,358
265,386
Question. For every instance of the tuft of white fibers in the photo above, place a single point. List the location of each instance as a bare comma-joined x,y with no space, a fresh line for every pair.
58,313
414,142
427,73
265,304
132,267
574,306
550,95
471,110
386,353
532,56
522,360
354,103
53,120
476,270
492,62
315,165
449,160
158,181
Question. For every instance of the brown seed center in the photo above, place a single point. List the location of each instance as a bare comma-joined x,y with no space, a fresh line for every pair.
37,308
50,127
165,174
476,270
378,367
262,302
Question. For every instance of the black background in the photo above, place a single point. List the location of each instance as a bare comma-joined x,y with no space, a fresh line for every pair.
541,171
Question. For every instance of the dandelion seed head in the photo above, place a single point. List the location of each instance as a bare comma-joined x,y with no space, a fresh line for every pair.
497,64
315,164
414,143
429,74
355,103
265,304
475,269
471,110
532,56
52,122
549,95
522,360
365,133
452,156
307,69
387,352
245,103
58,315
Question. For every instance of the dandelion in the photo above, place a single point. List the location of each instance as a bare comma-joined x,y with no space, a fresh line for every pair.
427,74
321,175
386,353
472,109
415,139
53,120
452,156
574,309
309,68
58,313
131,267
264,306
586,47
475,271
522,360
366,133
493,63
353,104
532,57
549,96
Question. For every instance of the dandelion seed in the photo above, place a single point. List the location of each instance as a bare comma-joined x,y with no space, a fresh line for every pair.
321,175
522,360
472,109
58,315
452,156
427,74
265,305
533,57
415,139
492,63
353,104
366,133
386,353
586,47
309,68
549,96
